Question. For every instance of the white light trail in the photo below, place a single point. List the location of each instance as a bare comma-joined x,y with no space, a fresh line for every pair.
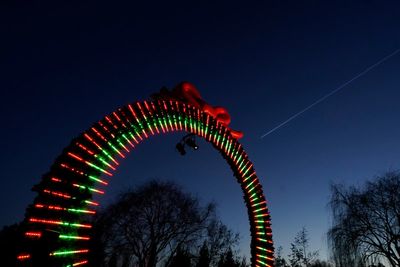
331,93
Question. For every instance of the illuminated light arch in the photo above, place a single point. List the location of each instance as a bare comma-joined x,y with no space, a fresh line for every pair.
58,222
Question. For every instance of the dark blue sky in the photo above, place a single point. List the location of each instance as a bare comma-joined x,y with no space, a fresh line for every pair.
64,66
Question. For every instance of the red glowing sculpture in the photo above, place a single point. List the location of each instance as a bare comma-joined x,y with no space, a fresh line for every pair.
188,93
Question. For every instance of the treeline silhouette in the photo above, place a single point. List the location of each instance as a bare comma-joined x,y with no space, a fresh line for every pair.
158,224
365,230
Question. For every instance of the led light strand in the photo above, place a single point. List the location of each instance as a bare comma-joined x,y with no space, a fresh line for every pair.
89,188
33,234
78,263
145,118
45,221
138,121
98,157
73,237
88,137
68,252
92,203
23,257
97,179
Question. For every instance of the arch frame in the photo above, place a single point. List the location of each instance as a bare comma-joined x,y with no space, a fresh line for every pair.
57,224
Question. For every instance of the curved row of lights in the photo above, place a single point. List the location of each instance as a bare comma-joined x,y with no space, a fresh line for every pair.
60,214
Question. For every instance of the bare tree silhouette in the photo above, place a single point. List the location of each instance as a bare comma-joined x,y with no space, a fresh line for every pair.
366,222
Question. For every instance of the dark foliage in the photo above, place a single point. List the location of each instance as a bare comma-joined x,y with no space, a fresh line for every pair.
300,255
158,223
10,239
182,258
366,222
204,259
279,259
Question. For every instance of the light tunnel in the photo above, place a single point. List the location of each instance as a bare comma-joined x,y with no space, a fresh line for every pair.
57,225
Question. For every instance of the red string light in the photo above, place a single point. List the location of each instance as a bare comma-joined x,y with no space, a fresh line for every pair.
23,257
80,263
33,234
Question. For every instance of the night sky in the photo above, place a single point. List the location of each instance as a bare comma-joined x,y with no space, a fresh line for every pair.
65,66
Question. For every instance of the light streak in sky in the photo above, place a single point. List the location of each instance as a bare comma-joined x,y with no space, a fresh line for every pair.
331,93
